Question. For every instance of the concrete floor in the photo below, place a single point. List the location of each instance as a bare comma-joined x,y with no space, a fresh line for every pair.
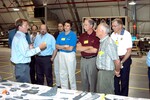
138,86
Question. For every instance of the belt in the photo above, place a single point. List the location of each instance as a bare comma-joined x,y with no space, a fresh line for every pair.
88,57
45,56
22,64
104,70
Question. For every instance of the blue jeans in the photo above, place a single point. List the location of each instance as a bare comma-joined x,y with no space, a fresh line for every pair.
22,73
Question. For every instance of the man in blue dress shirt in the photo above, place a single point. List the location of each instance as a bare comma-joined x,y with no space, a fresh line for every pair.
44,59
12,34
148,64
21,53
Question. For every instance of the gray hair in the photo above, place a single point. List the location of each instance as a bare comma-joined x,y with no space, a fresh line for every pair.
91,21
118,20
105,26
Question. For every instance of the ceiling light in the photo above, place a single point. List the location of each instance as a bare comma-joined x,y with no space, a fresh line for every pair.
44,2
132,3
16,9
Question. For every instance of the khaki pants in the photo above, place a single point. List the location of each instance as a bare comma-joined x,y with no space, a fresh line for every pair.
56,70
88,74
105,82
67,68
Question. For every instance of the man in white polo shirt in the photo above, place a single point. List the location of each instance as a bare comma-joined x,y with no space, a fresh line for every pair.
123,40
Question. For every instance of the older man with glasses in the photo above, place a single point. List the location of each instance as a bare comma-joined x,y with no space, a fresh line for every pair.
123,41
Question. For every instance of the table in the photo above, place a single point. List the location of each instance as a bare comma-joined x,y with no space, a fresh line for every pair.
136,48
14,90
4,42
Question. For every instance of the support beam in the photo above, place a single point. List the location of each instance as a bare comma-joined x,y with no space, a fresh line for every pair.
77,17
72,14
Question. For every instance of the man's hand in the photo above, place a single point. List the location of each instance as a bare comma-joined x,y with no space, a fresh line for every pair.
117,73
31,46
79,44
66,46
42,45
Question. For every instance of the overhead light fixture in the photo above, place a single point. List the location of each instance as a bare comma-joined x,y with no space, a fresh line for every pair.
44,2
132,3
16,9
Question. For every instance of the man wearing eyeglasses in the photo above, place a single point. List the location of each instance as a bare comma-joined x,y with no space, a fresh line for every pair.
123,41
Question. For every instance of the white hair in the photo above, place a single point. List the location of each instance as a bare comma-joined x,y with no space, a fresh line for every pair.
105,26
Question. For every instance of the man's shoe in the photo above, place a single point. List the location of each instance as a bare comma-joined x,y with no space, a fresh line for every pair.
58,86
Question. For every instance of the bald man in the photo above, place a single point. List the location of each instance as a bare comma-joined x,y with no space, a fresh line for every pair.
45,58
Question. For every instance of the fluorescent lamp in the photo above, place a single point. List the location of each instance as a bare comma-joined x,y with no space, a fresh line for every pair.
16,9
44,4
132,3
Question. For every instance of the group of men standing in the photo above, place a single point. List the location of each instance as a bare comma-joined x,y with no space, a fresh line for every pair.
105,61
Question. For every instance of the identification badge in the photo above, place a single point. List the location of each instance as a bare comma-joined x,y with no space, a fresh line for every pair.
86,42
116,42
63,39
100,53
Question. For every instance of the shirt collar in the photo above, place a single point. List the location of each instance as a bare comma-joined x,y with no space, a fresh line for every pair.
21,33
102,40
92,34
43,35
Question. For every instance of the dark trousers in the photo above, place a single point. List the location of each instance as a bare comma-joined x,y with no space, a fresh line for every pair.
33,70
149,77
44,67
121,83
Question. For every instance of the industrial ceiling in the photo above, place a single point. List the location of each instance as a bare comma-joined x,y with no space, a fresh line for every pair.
75,10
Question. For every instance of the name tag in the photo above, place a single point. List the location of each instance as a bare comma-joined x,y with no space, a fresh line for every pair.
86,42
63,39
116,42
100,53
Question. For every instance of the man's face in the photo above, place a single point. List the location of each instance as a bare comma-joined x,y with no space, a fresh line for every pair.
43,29
116,27
24,28
87,25
67,27
34,29
60,27
99,31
